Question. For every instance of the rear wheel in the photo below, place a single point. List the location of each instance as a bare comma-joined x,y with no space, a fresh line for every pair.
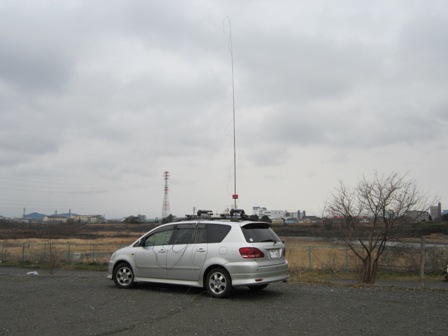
218,282
123,276
258,287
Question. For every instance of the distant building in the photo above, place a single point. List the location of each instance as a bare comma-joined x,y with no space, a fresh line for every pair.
436,212
56,219
311,219
275,214
293,214
278,214
291,220
418,216
258,211
88,219
85,219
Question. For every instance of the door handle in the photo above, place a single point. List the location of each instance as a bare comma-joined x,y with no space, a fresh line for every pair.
161,251
201,250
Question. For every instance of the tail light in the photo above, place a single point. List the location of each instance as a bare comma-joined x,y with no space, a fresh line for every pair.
251,253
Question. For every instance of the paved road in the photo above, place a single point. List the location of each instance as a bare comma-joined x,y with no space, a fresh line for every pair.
86,303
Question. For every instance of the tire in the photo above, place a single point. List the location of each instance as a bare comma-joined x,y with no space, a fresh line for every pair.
258,287
123,276
218,282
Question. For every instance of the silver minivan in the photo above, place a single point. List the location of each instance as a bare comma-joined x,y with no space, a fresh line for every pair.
215,254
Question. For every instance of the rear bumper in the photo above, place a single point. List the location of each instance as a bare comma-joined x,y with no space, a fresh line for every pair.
244,274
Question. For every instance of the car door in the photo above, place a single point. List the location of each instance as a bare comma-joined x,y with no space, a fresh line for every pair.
188,253
151,256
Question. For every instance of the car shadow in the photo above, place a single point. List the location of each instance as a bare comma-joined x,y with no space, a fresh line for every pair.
238,293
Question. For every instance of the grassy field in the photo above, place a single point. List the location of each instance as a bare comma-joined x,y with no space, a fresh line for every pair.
310,259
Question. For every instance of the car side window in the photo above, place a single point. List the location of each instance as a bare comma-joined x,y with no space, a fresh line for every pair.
162,237
201,234
184,234
217,232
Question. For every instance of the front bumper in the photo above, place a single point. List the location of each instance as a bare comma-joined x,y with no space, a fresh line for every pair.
110,269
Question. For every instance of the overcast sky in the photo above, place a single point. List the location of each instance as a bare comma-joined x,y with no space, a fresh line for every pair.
99,98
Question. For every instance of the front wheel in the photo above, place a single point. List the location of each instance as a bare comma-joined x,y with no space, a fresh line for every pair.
123,276
218,282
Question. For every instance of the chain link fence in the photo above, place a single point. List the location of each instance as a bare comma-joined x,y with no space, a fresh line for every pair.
301,258
339,258
51,253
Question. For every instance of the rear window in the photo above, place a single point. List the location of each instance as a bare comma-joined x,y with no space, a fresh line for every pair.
259,233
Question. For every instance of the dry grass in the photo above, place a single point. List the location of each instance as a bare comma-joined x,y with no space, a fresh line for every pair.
103,240
309,259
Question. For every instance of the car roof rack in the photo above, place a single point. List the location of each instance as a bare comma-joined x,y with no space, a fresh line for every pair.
233,215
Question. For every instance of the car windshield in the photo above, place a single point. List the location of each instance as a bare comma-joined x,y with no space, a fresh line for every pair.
259,233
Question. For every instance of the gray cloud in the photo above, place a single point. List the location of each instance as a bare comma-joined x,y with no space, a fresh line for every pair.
109,94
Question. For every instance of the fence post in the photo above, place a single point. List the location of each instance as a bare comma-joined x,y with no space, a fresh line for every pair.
45,251
93,253
23,252
68,254
430,260
422,262
346,258
310,259
387,260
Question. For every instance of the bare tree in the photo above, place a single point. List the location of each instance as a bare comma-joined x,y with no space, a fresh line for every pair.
370,214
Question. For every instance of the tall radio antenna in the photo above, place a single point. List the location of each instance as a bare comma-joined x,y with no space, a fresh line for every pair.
166,203
235,195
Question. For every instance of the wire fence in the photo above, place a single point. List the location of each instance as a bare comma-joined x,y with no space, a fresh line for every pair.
45,253
340,258
303,258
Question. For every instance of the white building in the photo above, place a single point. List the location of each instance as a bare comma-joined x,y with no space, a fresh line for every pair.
56,219
258,211
436,211
277,214
88,219
272,214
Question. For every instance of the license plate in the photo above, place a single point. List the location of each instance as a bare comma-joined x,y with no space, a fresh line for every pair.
274,254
